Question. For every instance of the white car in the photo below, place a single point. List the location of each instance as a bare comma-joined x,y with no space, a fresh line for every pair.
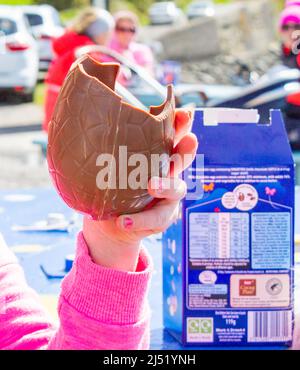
46,25
18,54
165,12
198,9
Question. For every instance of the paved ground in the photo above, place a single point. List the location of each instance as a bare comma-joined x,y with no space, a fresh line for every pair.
21,164
12,114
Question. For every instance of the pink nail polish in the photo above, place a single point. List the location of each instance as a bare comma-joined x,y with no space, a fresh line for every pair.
127,222
160,186
157,185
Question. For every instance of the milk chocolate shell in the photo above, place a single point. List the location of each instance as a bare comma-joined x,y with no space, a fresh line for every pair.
90,119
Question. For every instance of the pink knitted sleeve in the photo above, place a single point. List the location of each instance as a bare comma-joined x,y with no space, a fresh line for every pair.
99,308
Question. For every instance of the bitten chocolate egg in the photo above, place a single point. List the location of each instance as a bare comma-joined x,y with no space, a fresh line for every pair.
100,148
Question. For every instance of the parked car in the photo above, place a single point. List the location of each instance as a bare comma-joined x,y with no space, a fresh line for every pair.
45,24
18,54
198,9
265,93
165,12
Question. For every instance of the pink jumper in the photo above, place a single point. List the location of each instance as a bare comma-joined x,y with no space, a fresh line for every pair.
99,308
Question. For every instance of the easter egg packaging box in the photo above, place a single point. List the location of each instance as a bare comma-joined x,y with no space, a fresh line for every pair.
228,261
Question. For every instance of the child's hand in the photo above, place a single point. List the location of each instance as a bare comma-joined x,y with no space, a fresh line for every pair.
116,243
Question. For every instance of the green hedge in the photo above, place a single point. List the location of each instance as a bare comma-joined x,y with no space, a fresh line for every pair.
64,4
58,4
16,2
140,6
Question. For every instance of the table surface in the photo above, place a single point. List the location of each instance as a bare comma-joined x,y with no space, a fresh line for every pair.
49,249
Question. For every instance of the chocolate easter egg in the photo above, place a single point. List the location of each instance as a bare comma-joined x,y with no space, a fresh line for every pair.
92,131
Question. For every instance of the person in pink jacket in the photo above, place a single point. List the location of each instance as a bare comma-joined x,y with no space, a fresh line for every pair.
123,41
103,300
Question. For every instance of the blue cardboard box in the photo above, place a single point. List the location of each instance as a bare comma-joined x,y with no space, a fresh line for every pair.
228,261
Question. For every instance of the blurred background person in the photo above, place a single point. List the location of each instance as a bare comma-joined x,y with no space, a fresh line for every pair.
289,23
92,27
292,2
123,41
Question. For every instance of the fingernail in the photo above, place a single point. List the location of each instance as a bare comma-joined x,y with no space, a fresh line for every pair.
157,185
127,222
160,187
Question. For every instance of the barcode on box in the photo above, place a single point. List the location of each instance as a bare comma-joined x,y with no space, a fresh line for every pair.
269,326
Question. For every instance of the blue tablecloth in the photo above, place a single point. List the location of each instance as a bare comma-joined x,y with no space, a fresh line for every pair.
50,248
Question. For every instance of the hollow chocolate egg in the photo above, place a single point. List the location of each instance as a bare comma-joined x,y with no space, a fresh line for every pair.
93,136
